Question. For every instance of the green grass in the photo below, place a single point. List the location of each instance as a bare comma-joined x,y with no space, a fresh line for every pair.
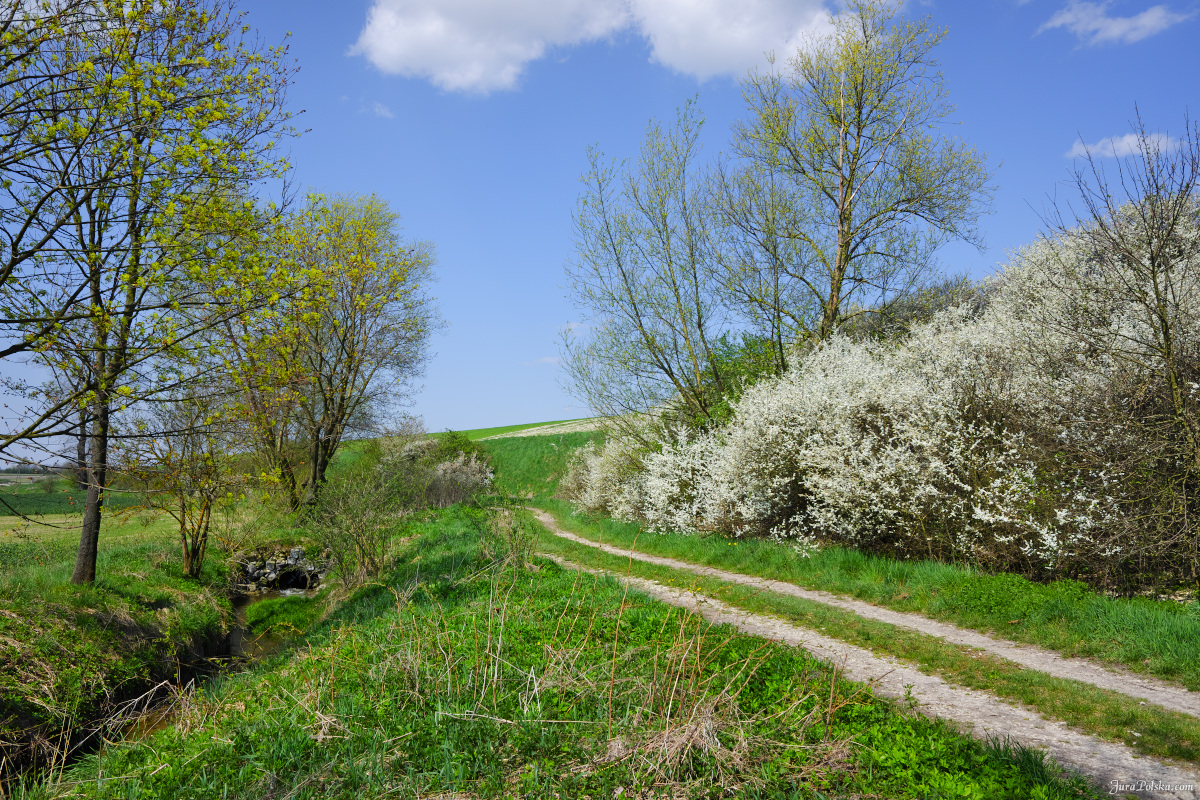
474,669
479,433
532,466
70,654
284,615
1157,637
1103,713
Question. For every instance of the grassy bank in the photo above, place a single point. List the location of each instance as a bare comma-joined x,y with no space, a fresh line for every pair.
1157,637
71,657
532,466
474,669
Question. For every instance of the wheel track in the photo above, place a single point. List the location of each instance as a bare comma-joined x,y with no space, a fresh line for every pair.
978,712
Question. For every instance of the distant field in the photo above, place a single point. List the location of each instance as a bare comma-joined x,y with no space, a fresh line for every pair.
64,498
481,433
532,466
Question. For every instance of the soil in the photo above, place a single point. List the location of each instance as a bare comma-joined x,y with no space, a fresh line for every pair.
1108,764
574,426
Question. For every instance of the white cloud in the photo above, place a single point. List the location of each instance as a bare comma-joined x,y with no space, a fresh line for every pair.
725,37
382,111
478,45
484,45
542,360
1091,23
1121,146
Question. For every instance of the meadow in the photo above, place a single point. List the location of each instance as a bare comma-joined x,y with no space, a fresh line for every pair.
471,666
54,496
476,669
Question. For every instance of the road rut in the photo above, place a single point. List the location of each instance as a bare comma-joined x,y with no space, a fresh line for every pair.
1109,764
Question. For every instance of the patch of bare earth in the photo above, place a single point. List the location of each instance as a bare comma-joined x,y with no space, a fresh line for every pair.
1107,763
574,426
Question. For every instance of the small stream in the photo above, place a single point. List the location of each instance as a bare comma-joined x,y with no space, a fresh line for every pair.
244,647
248,646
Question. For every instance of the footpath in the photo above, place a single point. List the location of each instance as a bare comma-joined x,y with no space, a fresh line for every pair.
1112,765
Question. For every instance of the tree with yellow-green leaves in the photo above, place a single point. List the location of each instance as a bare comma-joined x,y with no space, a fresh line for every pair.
347,344
159,244
46,91
845,182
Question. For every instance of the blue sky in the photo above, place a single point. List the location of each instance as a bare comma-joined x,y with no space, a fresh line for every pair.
472,118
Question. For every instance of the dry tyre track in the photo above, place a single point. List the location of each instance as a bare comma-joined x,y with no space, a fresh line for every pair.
1108,763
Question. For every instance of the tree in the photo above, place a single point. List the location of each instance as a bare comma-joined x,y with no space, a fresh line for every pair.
758,258
1119,279
348,344
644,274
185,462
46,90
844,187
839,192
196,111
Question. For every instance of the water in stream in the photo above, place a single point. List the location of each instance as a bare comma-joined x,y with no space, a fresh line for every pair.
244,646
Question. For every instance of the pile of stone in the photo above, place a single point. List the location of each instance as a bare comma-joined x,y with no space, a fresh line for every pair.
277,570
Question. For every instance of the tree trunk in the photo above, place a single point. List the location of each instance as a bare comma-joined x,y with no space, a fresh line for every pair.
195,545
81,452
97,478
318,463
275,449
288,475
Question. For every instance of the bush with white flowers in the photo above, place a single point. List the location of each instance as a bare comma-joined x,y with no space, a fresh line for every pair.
1013,435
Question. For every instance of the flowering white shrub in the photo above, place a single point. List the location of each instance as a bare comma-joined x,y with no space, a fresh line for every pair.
422,478
608,481
1006,436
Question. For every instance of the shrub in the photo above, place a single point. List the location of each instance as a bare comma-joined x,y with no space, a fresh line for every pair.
1022,430
609,480
364,507
451,444
458,480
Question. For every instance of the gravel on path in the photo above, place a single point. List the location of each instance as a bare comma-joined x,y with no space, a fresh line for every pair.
1161,693
1112,765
